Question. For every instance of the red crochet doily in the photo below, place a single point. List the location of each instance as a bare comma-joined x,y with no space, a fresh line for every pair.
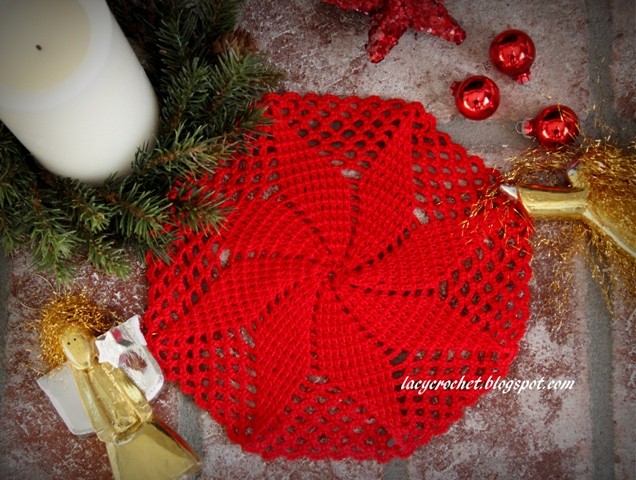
349,260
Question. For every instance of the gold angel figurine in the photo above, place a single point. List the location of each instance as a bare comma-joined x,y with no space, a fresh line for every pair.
603,199
139,445
591,189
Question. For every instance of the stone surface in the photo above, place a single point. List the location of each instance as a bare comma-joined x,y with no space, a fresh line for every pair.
622,60
322,49
623,398
585,432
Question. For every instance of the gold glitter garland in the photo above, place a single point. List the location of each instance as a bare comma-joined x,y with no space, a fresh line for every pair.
64,311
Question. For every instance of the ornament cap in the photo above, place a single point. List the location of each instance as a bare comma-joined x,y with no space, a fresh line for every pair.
522,78
527,127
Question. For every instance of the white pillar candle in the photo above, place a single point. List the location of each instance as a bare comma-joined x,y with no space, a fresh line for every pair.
71,88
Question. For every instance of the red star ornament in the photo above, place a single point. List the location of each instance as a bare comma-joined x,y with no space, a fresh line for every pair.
391,18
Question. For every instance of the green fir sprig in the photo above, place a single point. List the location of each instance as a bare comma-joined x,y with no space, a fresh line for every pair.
209,112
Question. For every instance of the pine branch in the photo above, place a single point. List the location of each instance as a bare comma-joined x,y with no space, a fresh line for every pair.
174,39
192,29
223,14
15,179
187,95
52,240
198,209
183,154
237,81
15,232
138,214
15,176
84,206
105,255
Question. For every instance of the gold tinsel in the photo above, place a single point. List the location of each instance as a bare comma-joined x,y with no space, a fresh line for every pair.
610,173
65,310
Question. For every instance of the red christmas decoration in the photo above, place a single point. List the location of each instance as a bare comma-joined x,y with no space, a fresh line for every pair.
353,263
477,97
512,52
554,127
391,18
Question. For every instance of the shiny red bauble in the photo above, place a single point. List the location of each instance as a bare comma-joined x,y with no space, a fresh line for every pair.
477,97
512,52
554,127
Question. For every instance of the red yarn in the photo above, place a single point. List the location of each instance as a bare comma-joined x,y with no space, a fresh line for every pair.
349,261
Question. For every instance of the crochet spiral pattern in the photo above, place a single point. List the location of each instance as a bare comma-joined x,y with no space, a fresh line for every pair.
351,259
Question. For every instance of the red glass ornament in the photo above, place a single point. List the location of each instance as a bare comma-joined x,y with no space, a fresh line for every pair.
512,52
554,127
477,97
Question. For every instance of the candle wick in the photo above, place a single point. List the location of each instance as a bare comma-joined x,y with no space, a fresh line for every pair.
39,47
